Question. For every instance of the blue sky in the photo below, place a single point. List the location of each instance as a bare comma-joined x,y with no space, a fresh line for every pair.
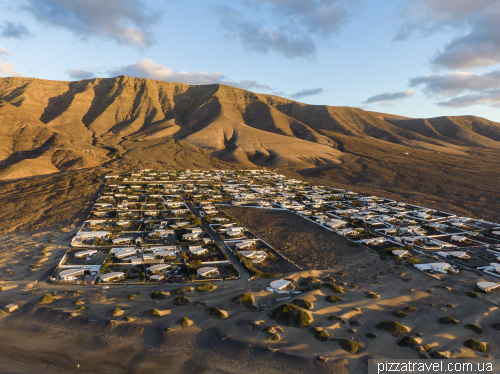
418,58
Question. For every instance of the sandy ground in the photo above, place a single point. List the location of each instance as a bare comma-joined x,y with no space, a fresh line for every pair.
60,335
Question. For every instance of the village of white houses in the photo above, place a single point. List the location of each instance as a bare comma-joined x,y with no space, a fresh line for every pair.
154,226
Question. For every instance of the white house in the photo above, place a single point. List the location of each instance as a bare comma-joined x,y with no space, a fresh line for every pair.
159,267
208,272
71,274
488,286
254,256
198,251
401,253
11,308
109,277
438,267
282,286
85,254
454,254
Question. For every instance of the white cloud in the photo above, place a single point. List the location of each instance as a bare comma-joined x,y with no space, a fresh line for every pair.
307,92
7,69
476,21
292,28
80,74
147,68
3,52
125,21
386,98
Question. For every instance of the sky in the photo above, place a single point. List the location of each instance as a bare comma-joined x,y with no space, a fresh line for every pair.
416,58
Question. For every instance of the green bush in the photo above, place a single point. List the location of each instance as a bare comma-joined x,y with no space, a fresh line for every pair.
291,315
335,317
181,300
216,313
399,314
247,300
159,295
478,330
131,297
116,312
205,287
312,280
127,319
408,341
372,295
437,355
274,337
333,287
46,299
371,336
303,303
471,294
349,345
273,329
414,261
448,321
322,335
333,298
475,345
155,313
184,322
411,309
392,327
183,290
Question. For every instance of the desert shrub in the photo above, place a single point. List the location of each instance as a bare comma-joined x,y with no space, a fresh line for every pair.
78,302
205,287
312,280
273,329
216,313
333,298
183,290
450,306
322,335
496,326
414,261
475,345
335,317
478,330
131,297
184,322
448,321
356,309
408,341
426,347
352,331
46,299
333,287
246,299
349,345
159,295
372,295
274,337
291,315
81,308
181,300
411,309
371,336
471,294
115,312
437,355
317,286
355,323
303,303
399,314
329,279
393,327
127,319
155,313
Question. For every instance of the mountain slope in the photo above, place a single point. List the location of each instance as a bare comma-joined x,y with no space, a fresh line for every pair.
65,125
